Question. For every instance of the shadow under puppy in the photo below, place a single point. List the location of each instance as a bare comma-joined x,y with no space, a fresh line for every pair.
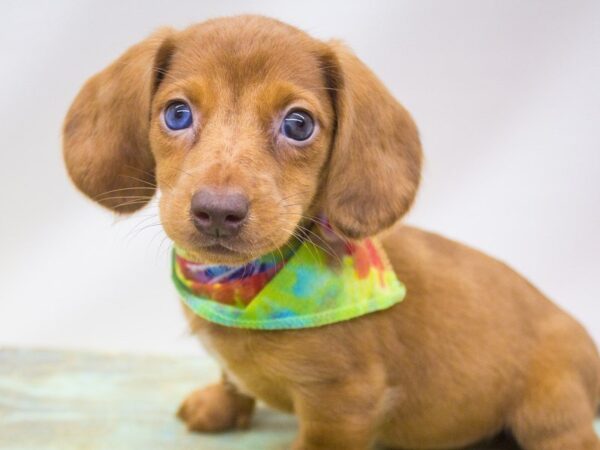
254,132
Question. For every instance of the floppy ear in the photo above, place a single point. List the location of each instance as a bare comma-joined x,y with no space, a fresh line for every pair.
375,161
105,136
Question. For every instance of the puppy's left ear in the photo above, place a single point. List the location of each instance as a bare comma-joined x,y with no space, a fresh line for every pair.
375,162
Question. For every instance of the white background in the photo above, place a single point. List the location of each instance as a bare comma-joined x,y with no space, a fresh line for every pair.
506,94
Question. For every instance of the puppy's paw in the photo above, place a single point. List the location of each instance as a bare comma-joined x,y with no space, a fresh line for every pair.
216,408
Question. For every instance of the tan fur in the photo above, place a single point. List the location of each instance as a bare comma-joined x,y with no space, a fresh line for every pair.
474,349
216,408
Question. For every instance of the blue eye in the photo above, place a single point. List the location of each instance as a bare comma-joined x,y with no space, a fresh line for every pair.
298,125
178,115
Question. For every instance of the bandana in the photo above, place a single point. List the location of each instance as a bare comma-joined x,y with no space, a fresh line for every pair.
302,287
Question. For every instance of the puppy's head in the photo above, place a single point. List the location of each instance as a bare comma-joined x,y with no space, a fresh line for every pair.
250,128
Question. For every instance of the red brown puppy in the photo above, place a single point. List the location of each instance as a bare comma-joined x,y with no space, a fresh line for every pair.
473,350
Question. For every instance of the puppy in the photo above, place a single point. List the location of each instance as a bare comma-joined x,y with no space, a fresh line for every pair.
472,351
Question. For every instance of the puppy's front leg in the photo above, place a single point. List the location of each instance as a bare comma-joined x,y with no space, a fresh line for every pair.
215,408
337,417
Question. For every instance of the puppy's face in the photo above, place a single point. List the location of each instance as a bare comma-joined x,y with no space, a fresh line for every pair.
240,131
251,129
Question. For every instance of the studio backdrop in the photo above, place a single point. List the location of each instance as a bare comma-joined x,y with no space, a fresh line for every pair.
506,95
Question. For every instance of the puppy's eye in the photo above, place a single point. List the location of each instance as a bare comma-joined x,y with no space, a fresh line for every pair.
298,125
178,115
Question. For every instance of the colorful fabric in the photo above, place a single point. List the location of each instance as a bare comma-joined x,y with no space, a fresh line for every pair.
305,288
231,285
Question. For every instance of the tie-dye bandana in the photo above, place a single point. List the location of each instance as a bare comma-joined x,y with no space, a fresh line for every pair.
304,288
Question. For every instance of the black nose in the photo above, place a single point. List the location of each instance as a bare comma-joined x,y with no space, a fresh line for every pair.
219,213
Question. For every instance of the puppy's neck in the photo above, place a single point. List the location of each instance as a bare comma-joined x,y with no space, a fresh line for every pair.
238,284
306,288
234,284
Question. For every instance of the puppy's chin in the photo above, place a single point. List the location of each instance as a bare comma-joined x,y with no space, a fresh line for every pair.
223,253
216,254
234,251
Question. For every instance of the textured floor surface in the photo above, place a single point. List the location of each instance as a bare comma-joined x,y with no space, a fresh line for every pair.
51,400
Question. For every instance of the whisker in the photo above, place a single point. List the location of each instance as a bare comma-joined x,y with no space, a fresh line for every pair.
145,172
148,217
310,250
317,221
136,202
164,239
289,205
278,248
137,232
139,179
323,223
158,233
329,250
138,197
124,189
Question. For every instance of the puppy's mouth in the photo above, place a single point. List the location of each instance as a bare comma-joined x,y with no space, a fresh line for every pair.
221,251
234,251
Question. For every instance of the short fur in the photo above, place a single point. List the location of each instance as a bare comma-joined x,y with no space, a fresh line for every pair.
474,350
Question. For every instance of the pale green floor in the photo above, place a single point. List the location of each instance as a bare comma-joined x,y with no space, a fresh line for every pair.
52,400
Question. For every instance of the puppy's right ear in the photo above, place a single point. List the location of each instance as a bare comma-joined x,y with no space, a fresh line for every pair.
105,136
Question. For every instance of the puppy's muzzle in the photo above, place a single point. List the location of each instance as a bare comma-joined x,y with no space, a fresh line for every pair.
219,213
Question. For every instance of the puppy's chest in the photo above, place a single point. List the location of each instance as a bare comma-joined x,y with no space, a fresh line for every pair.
247,366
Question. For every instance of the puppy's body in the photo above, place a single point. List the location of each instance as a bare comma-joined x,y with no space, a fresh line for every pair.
474,349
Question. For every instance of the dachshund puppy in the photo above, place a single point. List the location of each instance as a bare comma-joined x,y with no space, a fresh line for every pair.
253,130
